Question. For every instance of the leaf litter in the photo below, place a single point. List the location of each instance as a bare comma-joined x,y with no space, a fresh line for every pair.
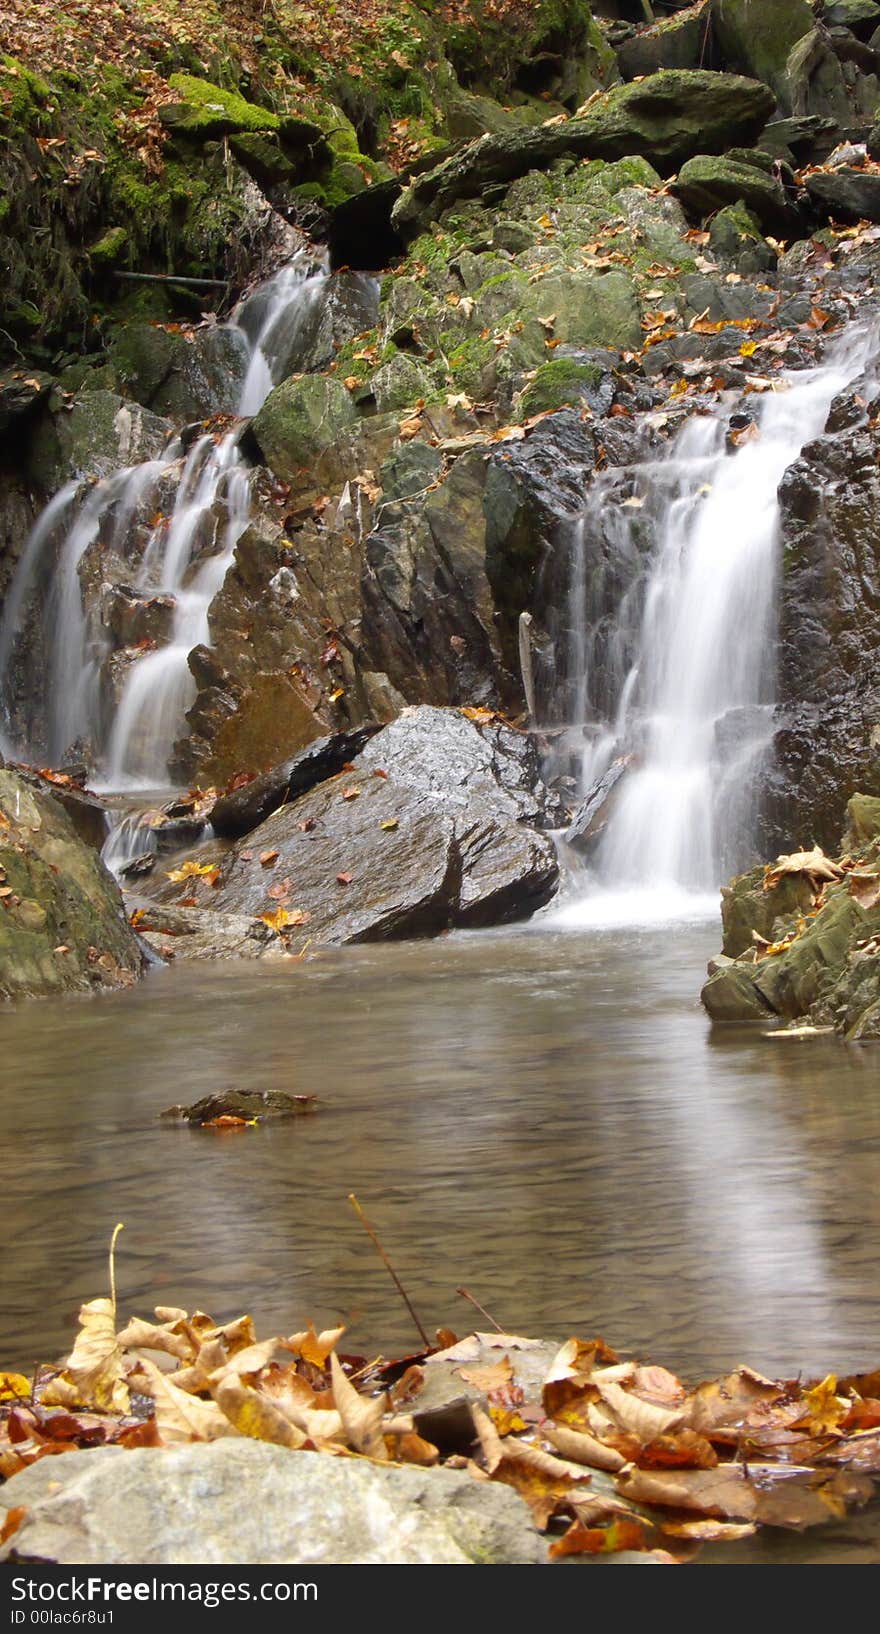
609,1455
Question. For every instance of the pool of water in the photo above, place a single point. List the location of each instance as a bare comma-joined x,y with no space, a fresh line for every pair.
543,1116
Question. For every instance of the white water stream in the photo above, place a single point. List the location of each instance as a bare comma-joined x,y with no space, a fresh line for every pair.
685,681
186,557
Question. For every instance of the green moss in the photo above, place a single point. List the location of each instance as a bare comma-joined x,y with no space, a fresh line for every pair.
470,361
209,110
561,381
110,248
25,95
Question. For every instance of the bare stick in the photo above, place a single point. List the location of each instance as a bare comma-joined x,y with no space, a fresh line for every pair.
478,1307
173,278
113,1267
389,1267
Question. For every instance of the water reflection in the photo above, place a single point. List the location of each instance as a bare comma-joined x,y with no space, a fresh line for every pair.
542,1116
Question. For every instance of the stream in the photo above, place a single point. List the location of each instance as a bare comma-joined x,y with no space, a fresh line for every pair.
542,1115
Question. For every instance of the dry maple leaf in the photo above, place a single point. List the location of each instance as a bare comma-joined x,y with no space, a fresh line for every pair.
93,1375
191,870
314,1347
813,863
181,1417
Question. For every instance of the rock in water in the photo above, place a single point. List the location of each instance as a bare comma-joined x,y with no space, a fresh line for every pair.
590,818
430,827
242,809
62,922
253,1105
236,1501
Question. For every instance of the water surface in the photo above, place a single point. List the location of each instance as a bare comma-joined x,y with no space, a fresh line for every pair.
542,1115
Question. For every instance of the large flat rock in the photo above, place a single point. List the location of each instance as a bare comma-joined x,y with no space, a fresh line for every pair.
240,1502
430,827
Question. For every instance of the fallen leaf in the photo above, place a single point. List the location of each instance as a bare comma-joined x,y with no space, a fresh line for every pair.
600,1540
267,857
351,793
254,1415
12,1522
190,870
361,1417
180,1417
93,1374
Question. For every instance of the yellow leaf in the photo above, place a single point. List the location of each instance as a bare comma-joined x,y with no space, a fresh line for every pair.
93,1376
256,1416
748,348
14,1387
314,1347
282,918
825,1408
390,824
191,870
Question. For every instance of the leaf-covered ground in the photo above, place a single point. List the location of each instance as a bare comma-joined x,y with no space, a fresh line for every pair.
609,1454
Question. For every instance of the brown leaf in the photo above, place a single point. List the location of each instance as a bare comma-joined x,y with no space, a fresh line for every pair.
725,1403
708,1531
641,1418
180,1417
254,1415
361,1417
582,1448
267,858
314,1347
600,1540
493,1377
93,1375
12,1522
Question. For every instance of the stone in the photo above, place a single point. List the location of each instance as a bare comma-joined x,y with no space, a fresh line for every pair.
815,81
177,934
186,376
680,41
590,309
430,827
62,923
862,16
345,305
737,243
256,1105
756,38
399,384
569,377
731,994
299,420
93,436
791,982
846,194
666,118
709,182
87,814
272,719
236,1502
236,813
862,820
592,815
207,112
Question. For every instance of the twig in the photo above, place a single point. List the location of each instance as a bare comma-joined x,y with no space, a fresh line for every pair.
113,1266
172,278
477,1306
389,1268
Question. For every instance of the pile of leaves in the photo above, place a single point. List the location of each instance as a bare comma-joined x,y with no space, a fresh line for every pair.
609,1454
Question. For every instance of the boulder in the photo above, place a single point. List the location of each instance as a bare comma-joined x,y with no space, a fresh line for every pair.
346,304
183,374
94,436
273,718
827,741
846,194
666,118
201,933
756,38
299,420
592,815
737,243
816,83
681,41
241,810
87,814
709,182
62,923
430,827
235,1502
731,994
862,820
862,16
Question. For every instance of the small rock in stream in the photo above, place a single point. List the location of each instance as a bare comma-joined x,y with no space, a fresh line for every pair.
247,1105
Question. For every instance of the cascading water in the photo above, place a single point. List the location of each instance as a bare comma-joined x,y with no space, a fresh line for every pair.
682,683
185,559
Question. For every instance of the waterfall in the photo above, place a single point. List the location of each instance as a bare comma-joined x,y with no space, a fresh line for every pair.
681,680
185,559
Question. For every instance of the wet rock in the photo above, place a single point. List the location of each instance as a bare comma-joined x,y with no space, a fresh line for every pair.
346,304
241,810
237,1500
93,436
272,718
571,376
18,398
592,816
737,243
666,118
187,375
708,183
757,39
827,742
791,982
731,994
62,923
846,194
255,1105
429,828
301,418
200,933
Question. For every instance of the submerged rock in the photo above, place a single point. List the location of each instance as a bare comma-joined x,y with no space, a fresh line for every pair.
236,1500
62,922
253,1105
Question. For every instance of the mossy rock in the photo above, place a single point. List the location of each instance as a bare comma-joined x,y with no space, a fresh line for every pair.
736,241
590,308
708,182
756,38
93,437
730,994
793,981
399,383
206,112
111,249
863,820
558,383
62,923
300,419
